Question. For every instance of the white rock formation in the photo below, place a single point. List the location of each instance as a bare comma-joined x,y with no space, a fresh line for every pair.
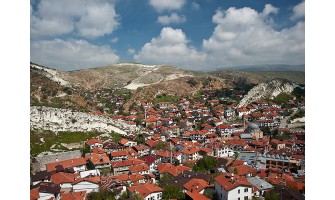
56,119
268,89
51,74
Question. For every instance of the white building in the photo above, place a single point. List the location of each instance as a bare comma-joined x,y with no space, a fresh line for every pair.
232,187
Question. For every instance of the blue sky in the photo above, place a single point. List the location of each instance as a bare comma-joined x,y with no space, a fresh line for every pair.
191,34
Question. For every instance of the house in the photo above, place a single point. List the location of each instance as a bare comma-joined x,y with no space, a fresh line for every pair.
243,170
119,155
71,165
46,191
88,184
98,161
127,143
206,151
260,184
147,191
122,167
129,179
143,150
171,169
277,144
150,161
232,187
64,180
93,143
195,196
139,169
189,154
42,176
196,185
74,196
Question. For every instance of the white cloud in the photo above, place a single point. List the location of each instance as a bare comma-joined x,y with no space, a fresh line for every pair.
160,5
243,36
298,11
90,18
114,40
173,18
171,47
71,54
131,51
268,9
195,6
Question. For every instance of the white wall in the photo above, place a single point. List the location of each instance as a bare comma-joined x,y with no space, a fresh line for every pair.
232,194
86,186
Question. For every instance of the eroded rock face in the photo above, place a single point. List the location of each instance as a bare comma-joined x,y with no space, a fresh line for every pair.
268,89
56,119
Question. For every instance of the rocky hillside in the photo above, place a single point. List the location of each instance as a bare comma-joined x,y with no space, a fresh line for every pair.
128,75
268,89
49,89
254,78
55,119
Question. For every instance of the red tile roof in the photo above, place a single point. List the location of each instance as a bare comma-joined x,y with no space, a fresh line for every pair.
196,185
74,196
196,196
128,162
190,151
34,194
92,179
93,141
66,164
123,141
139,168
146,189
62,177
149,159
98,159
229,182
171,169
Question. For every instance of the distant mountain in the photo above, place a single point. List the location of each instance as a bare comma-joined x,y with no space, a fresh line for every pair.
265,68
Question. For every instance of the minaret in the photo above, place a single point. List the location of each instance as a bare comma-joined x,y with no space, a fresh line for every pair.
170,153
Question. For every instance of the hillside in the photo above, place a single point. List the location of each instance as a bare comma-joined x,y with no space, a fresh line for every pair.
123,74
267,90
242,77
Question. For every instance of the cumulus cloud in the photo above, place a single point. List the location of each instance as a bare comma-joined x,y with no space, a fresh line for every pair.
71,54
161,5
268,9
131,51
243,36
171,47
90,18
173,18
298,11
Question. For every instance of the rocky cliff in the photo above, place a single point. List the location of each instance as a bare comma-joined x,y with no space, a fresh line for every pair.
268,89
56,119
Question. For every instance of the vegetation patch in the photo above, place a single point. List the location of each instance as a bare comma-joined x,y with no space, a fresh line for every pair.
50,138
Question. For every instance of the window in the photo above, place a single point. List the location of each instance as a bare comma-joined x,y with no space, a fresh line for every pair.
246,190
239,198
238,191
246,198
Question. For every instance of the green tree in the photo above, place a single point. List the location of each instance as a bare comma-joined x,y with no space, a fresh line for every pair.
272,195
161,145
205,164
139,139
235,171
101,195
173,192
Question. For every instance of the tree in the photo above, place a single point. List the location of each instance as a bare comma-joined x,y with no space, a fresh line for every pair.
173,192
139,139
235,171
272,195
165,177
205,164
101,195
161,145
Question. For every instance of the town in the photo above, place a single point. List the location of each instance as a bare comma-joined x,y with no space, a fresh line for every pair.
201,147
